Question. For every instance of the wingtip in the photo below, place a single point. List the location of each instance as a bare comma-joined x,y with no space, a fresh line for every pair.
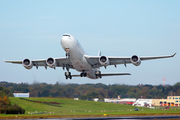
5,60
173,54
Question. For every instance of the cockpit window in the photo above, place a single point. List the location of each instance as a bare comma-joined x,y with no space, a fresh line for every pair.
67,35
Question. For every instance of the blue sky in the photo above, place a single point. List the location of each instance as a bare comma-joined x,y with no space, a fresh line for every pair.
33,29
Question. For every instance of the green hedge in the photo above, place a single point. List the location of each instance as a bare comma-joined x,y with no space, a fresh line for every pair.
15,109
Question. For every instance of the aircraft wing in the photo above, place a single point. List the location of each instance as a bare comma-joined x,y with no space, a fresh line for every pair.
42,62
95,63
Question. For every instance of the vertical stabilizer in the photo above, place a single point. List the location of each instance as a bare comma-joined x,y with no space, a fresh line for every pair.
99,53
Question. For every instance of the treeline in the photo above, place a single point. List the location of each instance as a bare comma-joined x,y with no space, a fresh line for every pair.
89,91
5,103
5,92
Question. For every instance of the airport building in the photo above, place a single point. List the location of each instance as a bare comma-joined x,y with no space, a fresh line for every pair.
120,101
143,103
170,101
21,94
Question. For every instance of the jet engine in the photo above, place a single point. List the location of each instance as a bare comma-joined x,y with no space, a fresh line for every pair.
104,60
51,62
135,60
27,63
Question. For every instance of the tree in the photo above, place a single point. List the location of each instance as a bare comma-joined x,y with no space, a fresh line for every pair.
5,92
92,95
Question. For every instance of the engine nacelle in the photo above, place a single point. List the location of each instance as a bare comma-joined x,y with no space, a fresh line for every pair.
51,62
27,63
104,60
135,60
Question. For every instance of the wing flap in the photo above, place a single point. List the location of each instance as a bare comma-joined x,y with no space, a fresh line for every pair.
94,60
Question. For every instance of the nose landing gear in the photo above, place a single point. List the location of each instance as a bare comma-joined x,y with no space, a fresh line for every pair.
67,55
98,74
68,75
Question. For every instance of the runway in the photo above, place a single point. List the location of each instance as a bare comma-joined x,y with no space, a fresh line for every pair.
128,118
169,117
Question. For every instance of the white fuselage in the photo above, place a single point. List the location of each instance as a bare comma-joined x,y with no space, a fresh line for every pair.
76,55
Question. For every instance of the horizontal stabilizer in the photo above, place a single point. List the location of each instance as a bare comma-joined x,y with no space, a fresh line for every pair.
114,74
107,74
75,75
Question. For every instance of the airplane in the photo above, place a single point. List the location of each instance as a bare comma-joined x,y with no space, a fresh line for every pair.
88,66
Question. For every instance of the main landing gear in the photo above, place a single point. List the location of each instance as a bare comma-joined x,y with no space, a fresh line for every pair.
98,74
83,74
68,75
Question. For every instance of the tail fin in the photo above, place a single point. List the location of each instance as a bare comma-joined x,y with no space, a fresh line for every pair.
99,53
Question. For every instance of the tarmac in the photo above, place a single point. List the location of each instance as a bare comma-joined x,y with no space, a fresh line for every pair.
129,118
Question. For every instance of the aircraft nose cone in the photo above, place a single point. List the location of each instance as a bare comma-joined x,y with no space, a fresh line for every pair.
64,39
65,42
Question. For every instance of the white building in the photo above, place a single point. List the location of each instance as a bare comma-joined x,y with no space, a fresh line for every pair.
143,103
21,94
76,98
122,100
95,99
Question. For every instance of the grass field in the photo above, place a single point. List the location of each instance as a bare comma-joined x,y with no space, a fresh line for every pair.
81,108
